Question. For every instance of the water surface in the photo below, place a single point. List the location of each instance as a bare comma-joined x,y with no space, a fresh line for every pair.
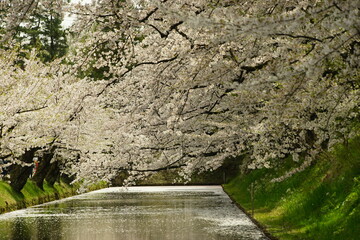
134,213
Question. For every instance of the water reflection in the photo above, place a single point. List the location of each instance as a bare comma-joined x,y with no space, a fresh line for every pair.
138,213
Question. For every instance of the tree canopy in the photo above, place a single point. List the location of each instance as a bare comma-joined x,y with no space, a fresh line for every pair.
151,85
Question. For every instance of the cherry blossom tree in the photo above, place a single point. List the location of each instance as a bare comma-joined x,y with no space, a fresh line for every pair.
154,85
195,83
38,107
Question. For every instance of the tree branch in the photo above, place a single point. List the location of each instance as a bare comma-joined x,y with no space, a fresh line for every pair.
298,36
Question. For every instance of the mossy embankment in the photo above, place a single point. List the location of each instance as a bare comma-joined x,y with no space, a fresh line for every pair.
32,195
321,202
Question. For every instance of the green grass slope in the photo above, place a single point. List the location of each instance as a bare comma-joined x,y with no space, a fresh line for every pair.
321,202
32,195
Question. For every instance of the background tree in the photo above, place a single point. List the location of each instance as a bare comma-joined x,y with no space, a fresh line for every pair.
39,28
43,32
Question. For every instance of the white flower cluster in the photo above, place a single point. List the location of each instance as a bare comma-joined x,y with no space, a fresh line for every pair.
184,84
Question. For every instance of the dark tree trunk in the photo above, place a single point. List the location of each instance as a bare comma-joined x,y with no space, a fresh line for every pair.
53,173
67,179
43,169
20,174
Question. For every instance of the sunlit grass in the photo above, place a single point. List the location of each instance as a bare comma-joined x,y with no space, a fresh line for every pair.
319,203
8,195
31,194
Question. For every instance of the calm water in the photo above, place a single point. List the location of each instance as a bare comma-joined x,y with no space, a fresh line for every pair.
135,213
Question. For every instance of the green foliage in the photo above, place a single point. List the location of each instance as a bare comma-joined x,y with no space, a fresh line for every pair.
43,33
99,185
171,176
322,202
52,38
220,175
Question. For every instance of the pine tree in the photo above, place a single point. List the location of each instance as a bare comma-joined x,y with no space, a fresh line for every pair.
43,32
53,37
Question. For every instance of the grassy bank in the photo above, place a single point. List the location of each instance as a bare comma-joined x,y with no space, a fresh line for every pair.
321,202
32,195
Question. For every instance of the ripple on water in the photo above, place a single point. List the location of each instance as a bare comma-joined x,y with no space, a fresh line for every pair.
150,213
